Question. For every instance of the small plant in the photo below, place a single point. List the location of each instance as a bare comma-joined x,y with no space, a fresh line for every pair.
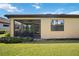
7,35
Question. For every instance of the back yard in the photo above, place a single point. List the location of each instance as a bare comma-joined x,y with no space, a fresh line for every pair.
41,49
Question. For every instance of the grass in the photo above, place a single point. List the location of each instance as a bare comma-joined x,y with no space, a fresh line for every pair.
41,49
3,35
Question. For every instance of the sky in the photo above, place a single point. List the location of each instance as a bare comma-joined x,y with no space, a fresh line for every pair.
38,8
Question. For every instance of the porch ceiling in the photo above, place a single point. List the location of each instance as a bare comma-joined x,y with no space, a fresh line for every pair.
28,21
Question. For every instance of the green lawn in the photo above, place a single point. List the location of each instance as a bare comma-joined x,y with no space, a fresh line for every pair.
3,35
34,49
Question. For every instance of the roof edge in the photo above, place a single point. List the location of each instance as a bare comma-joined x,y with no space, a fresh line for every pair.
42,15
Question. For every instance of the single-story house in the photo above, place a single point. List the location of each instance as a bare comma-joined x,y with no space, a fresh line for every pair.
4,24
44,26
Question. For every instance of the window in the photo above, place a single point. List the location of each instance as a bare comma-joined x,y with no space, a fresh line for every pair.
57,25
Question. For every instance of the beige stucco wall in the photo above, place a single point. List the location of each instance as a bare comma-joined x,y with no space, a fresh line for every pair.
71,28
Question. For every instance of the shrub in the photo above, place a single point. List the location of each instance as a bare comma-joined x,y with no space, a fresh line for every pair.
28,39
15,39
7,35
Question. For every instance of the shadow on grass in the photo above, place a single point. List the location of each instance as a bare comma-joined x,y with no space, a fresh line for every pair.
66,40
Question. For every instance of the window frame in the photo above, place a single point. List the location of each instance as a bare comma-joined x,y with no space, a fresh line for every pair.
56,24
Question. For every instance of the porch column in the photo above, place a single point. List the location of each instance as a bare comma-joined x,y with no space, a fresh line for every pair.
12,27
